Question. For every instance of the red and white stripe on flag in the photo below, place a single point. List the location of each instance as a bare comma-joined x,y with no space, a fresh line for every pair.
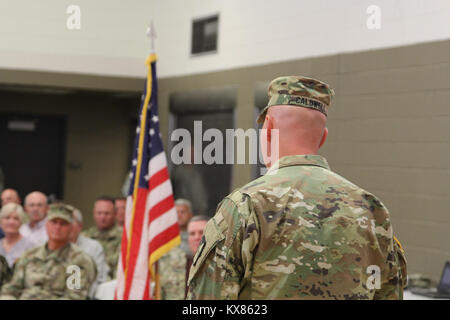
151,225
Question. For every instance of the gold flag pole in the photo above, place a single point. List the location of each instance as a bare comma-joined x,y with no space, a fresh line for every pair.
157,282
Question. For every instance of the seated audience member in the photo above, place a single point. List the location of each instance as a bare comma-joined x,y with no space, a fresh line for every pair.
93,248
10,196
195,234
172,270
56,270
5,271
184,212
36,206
106,232
13,245
120,204
174,266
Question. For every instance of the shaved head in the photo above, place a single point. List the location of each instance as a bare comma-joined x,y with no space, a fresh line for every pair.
36,195
36,206
10,196
300,131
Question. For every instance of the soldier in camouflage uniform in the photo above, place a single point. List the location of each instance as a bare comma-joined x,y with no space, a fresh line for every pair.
5,271
301,231
106,232
55,270
172,270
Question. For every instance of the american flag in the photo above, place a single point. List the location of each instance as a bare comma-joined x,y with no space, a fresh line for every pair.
151,226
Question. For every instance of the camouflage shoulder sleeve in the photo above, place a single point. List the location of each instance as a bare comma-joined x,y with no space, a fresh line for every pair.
402,262
225,255
393,271
13,289
5,271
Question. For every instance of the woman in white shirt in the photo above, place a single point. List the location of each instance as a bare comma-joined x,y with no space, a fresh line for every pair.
13,245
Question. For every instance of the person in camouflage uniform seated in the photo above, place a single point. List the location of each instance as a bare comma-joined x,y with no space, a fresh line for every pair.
5,271
174,266
301,231
56,270
106,232
172,270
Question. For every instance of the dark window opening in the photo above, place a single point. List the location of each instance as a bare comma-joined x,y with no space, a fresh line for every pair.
204,35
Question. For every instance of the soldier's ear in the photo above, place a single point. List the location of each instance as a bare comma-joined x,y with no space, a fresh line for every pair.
269,127
324,137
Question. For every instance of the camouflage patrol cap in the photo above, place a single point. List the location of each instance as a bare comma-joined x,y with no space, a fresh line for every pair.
298,91
60,210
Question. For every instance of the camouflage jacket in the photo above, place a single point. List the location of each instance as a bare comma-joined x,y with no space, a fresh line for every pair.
41,274
5,271
111,241
172,270
299,232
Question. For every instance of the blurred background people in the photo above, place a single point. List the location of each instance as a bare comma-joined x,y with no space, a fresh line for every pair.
175,265
106,231
13,245
120,204
36,207
172,268
93,248
195,234
5,271
10,195
184,212
43,273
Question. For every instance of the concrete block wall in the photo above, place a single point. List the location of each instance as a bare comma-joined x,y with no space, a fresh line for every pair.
393,138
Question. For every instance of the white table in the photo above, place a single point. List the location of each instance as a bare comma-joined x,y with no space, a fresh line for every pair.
105,291
408,295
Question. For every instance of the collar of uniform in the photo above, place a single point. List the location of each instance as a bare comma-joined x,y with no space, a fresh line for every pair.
44,253
299,160
111,233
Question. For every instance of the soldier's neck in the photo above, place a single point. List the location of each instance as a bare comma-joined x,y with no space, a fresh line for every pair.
106,229
55,245
293,151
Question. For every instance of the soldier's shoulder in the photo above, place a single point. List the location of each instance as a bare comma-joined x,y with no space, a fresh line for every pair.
174,254
92,244
3,263
117,231
92,231
33,252
76,253
256,185
342,186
